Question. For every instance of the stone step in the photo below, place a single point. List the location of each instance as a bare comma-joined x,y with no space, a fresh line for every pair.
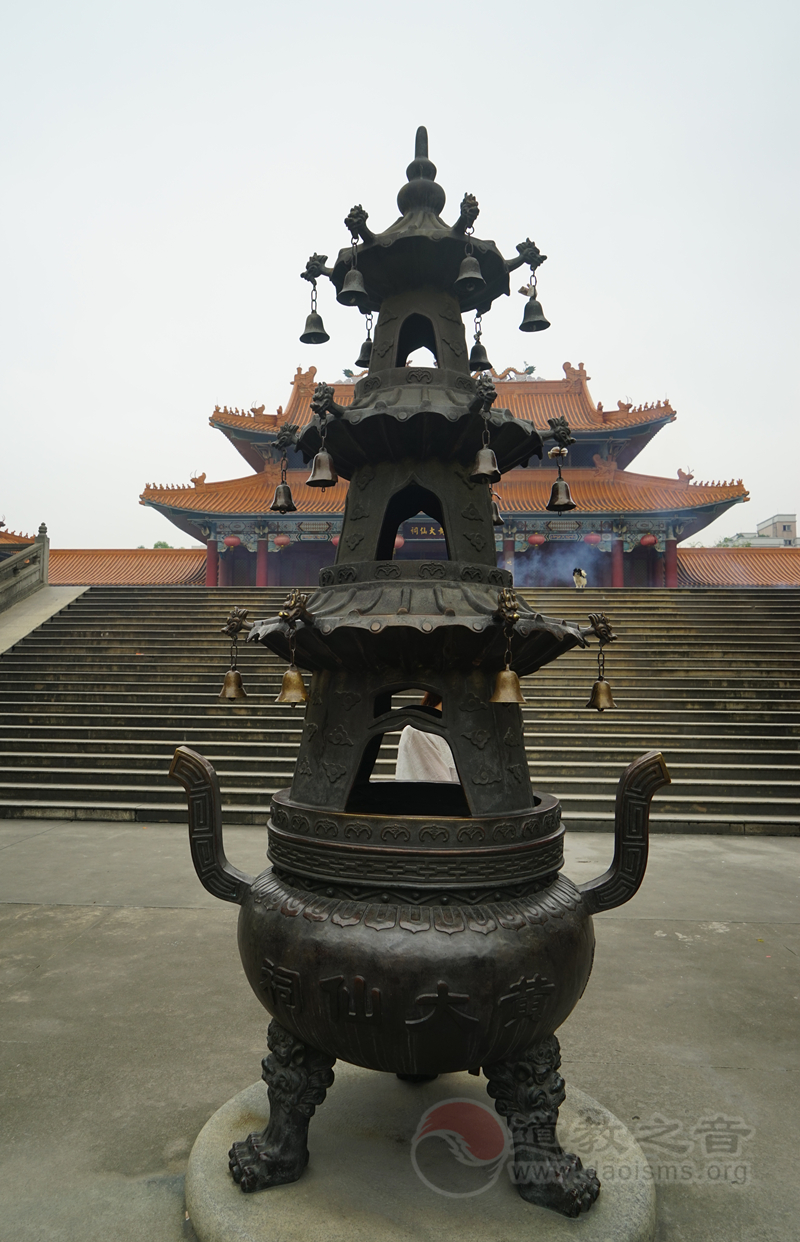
711,678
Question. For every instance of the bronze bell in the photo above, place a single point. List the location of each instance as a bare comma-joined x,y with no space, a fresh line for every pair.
314,332
485,469
507,688
601,695
497,519
323,473
533,319
282,501
470,278
560,500
478,358
353,291
365,356
293,689
232,687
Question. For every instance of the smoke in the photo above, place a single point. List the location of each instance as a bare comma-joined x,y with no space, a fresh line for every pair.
551,565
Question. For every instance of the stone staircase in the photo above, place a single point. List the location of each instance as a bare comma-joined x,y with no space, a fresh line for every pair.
93,703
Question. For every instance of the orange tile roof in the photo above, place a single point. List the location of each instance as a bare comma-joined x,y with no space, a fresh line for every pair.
127,566
251,495
748,567
520,491
616,491
534,400
11,537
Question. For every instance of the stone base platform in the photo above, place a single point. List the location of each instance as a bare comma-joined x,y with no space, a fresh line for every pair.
361,1185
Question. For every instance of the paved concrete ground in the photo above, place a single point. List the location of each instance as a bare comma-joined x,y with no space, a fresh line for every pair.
20,619
126,1022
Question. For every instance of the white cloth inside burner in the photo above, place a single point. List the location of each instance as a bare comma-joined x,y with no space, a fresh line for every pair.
424,757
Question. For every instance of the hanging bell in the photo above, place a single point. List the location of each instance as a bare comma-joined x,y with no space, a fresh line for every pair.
323,473
478,358
282,501
601,695
353,291
365,356
470,278
485,469
314,332
507,688
293,688
232,687
497,519
533,319
560,500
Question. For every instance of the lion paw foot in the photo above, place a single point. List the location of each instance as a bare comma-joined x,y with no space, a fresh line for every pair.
560,1183
254,1166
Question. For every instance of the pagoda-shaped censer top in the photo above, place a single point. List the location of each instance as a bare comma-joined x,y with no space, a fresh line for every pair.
418,926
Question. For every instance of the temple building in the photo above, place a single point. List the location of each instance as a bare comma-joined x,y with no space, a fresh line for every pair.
624,531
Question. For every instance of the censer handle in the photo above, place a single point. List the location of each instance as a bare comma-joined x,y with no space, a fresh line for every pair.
205,827
635,790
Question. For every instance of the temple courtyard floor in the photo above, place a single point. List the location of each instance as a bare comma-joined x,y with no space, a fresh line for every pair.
127,1022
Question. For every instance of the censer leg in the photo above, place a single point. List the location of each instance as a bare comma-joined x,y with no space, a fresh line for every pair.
297,1079
529,1093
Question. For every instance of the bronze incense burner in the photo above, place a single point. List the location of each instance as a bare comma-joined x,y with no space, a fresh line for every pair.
417,927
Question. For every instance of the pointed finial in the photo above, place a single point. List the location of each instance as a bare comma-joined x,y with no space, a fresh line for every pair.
422,190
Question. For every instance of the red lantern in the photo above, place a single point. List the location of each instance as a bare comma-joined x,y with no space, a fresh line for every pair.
335,540
647,541
282,541
232,541
399,542
592,537
536,540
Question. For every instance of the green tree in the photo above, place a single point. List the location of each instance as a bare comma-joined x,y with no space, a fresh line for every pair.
162,544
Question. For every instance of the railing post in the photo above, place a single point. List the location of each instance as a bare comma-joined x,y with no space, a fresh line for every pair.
44,561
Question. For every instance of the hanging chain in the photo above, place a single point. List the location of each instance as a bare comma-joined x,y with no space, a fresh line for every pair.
601,665
234,651
369,325
284,466
478,327
355,252
292,643
313,297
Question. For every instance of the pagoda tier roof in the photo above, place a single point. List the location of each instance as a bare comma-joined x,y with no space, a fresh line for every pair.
739,567
601,490
535,401
127,566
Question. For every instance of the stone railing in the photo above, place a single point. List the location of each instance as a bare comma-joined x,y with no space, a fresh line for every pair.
26,571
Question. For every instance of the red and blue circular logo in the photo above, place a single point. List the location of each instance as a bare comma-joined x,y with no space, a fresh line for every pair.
459,1148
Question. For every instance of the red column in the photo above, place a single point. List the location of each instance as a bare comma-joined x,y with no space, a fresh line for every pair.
671,562
212,562
508,555
262,567
617,564
225,569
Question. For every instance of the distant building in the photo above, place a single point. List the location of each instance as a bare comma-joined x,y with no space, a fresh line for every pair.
779,531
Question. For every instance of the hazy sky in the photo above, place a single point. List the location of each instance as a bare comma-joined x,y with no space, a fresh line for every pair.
167,168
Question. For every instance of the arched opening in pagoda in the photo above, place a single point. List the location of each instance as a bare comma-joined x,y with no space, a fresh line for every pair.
377,791
417,333
410,502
